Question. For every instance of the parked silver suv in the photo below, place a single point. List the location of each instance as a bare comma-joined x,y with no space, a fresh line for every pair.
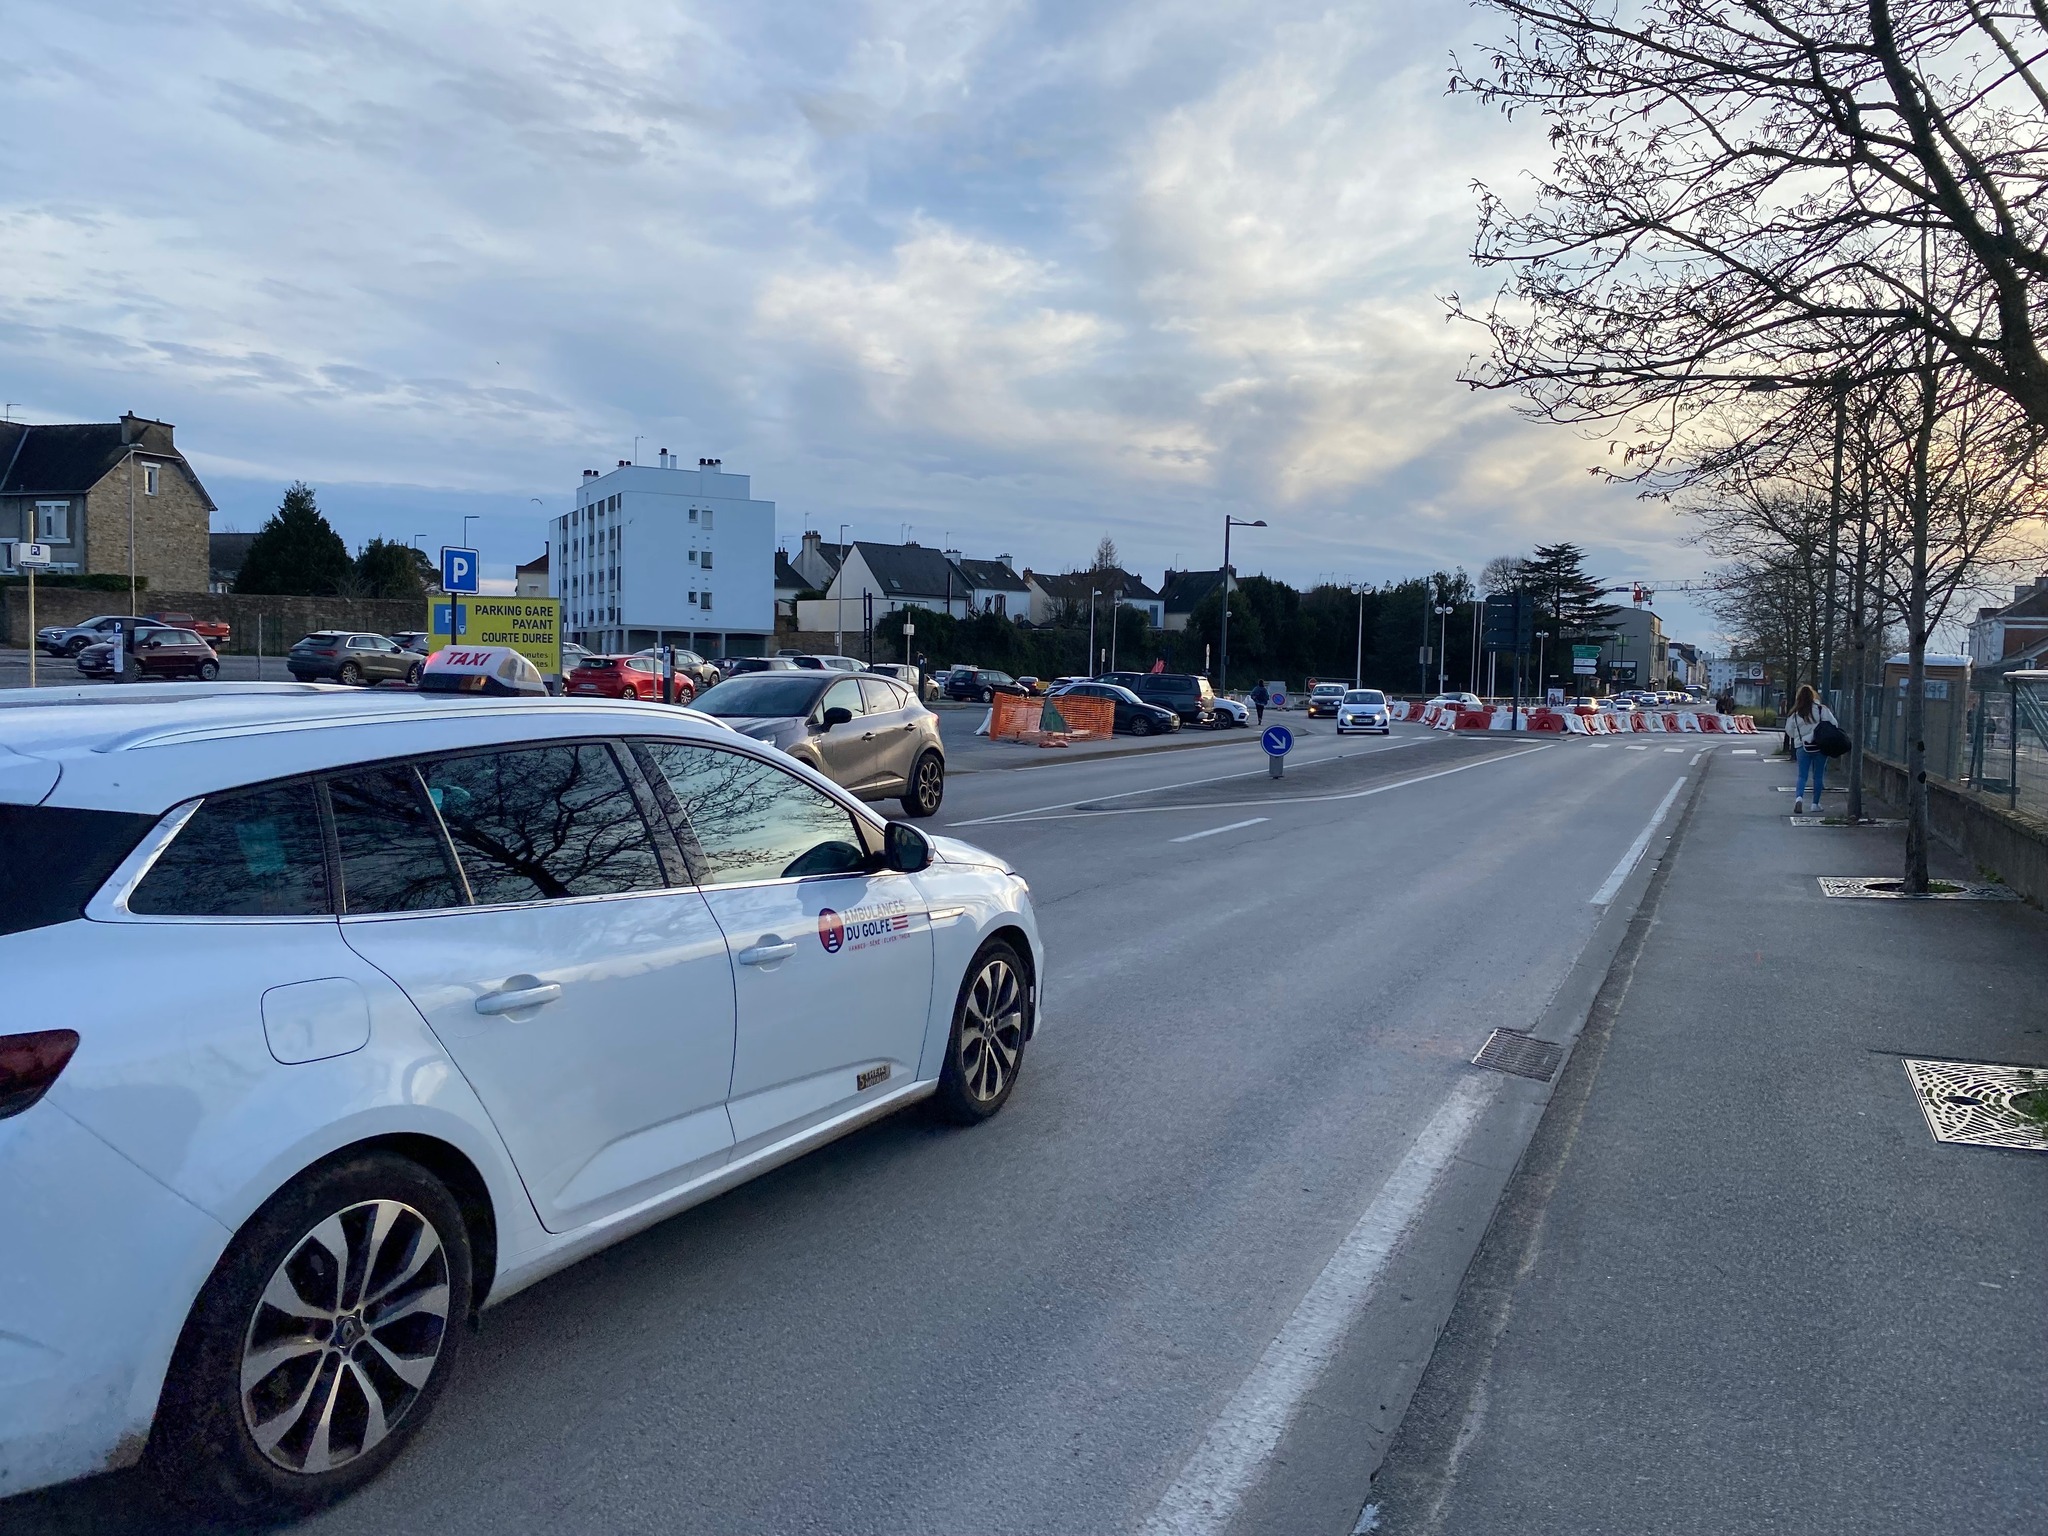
866,733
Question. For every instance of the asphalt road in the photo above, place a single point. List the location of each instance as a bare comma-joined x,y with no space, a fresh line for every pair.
1186,1280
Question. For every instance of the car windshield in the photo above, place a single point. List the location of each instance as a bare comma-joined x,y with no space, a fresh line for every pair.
1329,690
763,695
1364,696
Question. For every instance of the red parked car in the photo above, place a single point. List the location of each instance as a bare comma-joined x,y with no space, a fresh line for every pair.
624,677
153,653
213,631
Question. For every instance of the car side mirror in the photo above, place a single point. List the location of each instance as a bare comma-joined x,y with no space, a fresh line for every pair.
905,849
837,715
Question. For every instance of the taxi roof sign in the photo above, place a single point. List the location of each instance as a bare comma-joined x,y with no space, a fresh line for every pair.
480,669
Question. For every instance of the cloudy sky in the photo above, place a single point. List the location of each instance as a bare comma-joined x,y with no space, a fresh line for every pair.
1012,275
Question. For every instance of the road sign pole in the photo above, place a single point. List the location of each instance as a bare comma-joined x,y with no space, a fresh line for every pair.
31,626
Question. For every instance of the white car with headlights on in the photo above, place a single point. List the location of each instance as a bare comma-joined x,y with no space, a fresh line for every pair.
335,1018
1364,709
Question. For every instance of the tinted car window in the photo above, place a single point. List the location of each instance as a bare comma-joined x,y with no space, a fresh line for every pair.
762,696
540,823
752,820
248,853
52,859
393,858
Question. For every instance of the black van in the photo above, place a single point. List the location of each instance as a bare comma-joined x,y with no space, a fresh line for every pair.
1186,694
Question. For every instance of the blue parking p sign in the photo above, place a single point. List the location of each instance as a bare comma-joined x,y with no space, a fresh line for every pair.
460,569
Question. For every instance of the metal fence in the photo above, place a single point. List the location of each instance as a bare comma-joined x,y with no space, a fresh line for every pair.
2008,742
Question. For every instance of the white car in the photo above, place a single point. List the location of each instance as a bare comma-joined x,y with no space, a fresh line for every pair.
1364,709
1459,700
334,1018
1231,713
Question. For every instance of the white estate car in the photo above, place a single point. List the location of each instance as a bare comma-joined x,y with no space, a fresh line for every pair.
333,1018
1364,709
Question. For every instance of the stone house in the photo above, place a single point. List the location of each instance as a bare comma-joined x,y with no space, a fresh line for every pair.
80,487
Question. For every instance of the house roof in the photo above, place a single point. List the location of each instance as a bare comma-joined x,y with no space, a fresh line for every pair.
787,576
911,570
991,576
535,567
1183,589
2033,606
225,553
69,459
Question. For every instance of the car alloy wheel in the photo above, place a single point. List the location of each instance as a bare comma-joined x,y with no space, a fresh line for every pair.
987,1047
208,671
412,674
927,785
344,1336
1142,726
351,673
629,692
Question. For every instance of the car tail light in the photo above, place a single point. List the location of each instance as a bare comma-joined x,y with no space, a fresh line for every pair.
29,1064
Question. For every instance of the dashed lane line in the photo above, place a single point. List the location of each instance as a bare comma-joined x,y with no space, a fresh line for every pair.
1023,818
1612,884
1160,789
1233,827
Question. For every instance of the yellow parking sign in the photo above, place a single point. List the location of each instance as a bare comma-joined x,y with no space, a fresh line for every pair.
532,626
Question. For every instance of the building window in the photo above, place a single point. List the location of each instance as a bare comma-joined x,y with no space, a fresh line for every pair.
704,601
693,557
706,561
693,599
149,474
53,522
693,514
706,523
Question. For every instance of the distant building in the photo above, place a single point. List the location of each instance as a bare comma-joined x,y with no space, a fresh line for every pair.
2013,636
994,587
1687,666
1635,654
1065,598
1180,591
817,562
895,576
225,553
80,487
664,553
531,579
789,585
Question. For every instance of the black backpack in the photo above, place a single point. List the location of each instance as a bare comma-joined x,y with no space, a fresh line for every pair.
1828,739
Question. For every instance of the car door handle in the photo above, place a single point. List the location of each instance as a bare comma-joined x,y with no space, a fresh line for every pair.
516,998
767,953
868,736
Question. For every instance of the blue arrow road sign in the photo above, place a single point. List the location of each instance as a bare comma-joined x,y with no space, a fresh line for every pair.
459,569
1278,741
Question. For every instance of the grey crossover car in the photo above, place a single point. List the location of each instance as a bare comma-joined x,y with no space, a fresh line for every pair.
354,658
866,733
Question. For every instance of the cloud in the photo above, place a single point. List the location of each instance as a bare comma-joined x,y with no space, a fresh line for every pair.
1022,273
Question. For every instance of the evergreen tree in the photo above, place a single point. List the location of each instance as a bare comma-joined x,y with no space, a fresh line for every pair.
1568,601
296,553
385,569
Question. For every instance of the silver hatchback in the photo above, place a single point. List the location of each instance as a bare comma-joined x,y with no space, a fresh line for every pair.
866,733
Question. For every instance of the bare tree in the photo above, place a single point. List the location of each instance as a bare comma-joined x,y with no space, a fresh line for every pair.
1106,558
1752,187
1503,573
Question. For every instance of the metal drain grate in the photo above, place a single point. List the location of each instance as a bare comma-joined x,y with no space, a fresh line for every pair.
1873,888
1971,1103
1509,1050
1843,821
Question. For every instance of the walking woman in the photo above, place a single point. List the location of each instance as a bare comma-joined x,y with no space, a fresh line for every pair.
1807,714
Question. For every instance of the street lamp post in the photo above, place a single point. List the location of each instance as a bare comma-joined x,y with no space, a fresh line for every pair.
1443,619
1358,656
839,612
1091,631
1223,658
131,534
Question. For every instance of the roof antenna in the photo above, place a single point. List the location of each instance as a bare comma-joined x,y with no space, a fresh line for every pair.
8,413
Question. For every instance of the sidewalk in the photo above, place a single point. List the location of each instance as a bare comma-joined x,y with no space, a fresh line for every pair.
1735,1285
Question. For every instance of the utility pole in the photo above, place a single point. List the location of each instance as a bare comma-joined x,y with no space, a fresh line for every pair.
131,534
1092,669
1358,656
1443,619
1223,662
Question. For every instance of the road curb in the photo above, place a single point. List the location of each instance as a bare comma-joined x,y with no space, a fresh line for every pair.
1048,759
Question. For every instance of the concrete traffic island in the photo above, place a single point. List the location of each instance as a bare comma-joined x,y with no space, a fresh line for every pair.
1737,1284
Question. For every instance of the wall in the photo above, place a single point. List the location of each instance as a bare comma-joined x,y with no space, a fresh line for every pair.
2012,844
284,619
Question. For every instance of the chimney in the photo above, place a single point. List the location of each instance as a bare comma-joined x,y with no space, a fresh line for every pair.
590,474
811,543
1006,562
133,427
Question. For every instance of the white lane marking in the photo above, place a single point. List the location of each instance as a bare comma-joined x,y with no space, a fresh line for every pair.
1207,1495
1638,749
1694,760
1634,855
1236,805
1158,789
1742,751
1234,826
1674,749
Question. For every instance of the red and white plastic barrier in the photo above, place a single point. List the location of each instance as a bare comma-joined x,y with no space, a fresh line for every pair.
1573,722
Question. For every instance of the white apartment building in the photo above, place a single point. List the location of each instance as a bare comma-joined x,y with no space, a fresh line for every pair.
666,554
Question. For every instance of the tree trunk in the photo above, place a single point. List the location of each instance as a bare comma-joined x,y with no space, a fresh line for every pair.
1916,648
1859,640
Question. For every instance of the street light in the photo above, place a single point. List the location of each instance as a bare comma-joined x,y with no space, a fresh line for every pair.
1443,619
1358,656
839,613
1091,631
1223,659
